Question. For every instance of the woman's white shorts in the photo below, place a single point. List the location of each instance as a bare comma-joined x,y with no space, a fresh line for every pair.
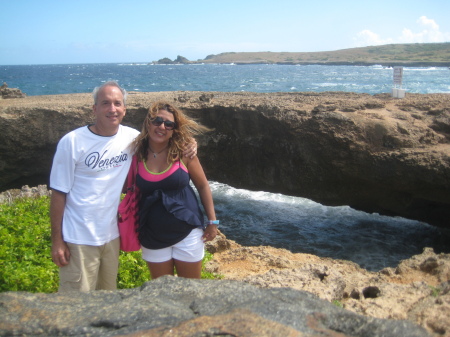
191,249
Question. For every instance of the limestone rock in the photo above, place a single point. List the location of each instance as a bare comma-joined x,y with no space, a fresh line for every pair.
6,92
24,192
171,306
417,290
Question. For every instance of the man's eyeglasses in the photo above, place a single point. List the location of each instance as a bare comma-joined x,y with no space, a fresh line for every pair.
169,125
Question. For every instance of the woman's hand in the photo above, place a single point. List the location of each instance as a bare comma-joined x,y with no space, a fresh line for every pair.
210,233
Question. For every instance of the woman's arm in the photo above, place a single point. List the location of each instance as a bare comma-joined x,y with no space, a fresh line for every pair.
201,184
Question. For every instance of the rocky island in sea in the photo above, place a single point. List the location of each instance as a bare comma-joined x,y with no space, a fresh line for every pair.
372,152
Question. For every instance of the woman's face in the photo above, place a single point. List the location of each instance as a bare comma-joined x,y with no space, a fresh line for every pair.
161,133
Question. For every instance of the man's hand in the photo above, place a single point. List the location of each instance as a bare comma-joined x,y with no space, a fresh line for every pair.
60,254
191,149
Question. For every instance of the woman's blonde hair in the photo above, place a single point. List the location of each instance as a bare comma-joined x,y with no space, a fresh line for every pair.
183,133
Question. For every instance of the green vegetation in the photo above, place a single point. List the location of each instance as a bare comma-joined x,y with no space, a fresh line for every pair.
337,303
25,259
25,251
435,291
437,54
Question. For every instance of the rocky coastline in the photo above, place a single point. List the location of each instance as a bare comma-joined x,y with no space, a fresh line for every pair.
372,152
388,64
418,289
321,295
405,55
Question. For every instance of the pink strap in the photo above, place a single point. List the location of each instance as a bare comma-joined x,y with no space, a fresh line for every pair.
131,178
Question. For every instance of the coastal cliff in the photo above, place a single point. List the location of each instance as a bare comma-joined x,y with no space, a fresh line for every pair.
374,153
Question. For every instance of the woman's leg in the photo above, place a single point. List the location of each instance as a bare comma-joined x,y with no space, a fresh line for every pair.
188,269
188,255
158,269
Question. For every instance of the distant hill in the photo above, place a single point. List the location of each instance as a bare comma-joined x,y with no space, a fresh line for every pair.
392,54
417,54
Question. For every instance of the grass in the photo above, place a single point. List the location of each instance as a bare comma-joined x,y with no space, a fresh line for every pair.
25,251
337,303
434,291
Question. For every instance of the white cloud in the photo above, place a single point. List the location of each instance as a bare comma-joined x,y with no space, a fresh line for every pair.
369,38
429,33
424,21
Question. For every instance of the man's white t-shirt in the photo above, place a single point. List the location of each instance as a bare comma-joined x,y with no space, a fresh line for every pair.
91,169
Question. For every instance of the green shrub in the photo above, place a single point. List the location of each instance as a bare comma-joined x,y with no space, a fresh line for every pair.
205,274
25,251
25,258
133,270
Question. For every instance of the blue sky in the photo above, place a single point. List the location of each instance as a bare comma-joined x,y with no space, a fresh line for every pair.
98,31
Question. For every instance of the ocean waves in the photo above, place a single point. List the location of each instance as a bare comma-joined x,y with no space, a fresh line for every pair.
81,78
254,218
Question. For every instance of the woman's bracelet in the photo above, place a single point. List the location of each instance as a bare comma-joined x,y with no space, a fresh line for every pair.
212,222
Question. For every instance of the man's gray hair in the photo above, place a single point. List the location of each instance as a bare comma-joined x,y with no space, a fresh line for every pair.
110,84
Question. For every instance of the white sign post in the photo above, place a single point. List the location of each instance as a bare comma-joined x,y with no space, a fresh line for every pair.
398,79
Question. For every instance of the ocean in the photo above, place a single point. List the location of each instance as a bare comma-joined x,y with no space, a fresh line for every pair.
254,218
79,78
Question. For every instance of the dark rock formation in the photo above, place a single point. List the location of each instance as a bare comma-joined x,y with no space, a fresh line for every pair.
178,60
182,59
172,306
374,153
6,92
165,60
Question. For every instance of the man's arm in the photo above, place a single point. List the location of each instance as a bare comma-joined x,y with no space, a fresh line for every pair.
60,251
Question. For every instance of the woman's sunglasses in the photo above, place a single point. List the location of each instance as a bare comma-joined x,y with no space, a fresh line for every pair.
169,125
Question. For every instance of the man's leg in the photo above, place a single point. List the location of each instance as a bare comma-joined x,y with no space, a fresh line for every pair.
109,265
81,272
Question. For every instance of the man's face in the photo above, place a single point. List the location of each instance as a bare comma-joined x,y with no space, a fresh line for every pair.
110,108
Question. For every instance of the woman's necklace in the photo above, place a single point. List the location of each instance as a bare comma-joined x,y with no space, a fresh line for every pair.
156,153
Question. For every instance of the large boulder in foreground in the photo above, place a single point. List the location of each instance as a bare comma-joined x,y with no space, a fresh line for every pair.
171,306
374,153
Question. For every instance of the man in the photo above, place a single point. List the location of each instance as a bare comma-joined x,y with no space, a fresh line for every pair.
87,177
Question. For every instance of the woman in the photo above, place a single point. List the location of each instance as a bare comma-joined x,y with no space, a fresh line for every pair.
172,230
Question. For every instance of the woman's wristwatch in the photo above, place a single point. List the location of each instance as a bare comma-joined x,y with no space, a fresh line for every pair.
212,222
